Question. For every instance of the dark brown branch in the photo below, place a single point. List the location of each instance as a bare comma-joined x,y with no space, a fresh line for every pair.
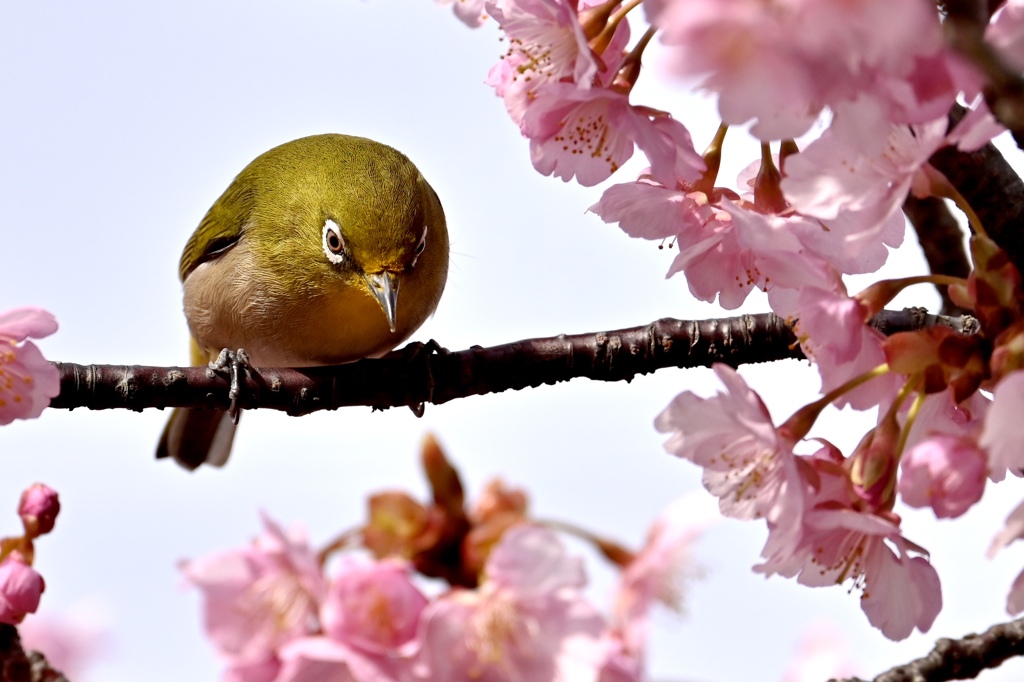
965,25
960,659
420,374
991,187
18,665
942,241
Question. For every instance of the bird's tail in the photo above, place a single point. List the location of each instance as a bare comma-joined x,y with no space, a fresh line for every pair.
193,437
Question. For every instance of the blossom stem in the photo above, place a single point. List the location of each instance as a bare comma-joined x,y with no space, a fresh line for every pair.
613,551
915,408
599,43
629,72
713,159
940,186
343,541
800,423
767,188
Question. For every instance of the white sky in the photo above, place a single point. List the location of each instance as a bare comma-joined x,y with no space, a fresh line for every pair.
123,121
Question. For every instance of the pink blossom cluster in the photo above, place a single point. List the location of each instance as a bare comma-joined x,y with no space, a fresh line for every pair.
796,222
514,608
21,586
27,380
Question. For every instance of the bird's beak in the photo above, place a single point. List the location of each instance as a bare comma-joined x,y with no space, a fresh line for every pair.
384,286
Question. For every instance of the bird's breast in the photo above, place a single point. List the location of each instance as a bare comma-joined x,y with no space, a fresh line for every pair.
230,303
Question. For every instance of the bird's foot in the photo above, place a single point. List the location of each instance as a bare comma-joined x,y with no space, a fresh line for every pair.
411,353
234,363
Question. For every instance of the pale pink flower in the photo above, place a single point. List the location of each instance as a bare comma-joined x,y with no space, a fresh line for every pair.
726,248
257,598
780,64
469,12
839,540
322,659
622,663
546,41
748,464
944,473
70,642
265,669
27,380
1002,435
21,588
528,619
1006,33
859,172
940,415
656,572
833,332
1012,530
590,133
823,653
372,606
38,509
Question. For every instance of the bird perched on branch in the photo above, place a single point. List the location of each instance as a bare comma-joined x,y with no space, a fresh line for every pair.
324,250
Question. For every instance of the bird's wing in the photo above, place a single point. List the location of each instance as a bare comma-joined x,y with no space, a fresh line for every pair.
220,229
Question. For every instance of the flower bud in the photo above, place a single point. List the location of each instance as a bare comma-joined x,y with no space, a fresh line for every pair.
38,509
20,589
944,473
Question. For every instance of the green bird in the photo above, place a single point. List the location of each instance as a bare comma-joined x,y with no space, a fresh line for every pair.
324,250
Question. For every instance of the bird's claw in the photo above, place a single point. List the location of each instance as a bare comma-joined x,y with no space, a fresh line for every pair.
234,363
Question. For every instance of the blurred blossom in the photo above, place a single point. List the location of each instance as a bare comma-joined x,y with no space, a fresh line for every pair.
258,597
20,589
823,653
38,509
71,642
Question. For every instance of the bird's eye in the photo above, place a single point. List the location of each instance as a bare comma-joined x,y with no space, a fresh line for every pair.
334,244
419,247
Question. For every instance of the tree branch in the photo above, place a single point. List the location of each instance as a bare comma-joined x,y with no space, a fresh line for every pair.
419,374
964,26
960,659
18,665
942,241
991,187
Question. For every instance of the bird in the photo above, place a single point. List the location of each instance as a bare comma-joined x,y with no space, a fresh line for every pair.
324,250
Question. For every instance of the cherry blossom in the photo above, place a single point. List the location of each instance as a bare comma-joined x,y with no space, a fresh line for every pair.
1003,430
1012,530
27,380
833,332
655,572
748,464
38,509
1006,32
944,473
841,540
822,654
527,620
21,588
469,12
860,171
259,597
372,606
782,64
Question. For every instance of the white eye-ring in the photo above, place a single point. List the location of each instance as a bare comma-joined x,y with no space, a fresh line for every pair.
419,247
334,244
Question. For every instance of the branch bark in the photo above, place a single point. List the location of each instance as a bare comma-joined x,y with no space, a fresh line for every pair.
960,659
419,374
